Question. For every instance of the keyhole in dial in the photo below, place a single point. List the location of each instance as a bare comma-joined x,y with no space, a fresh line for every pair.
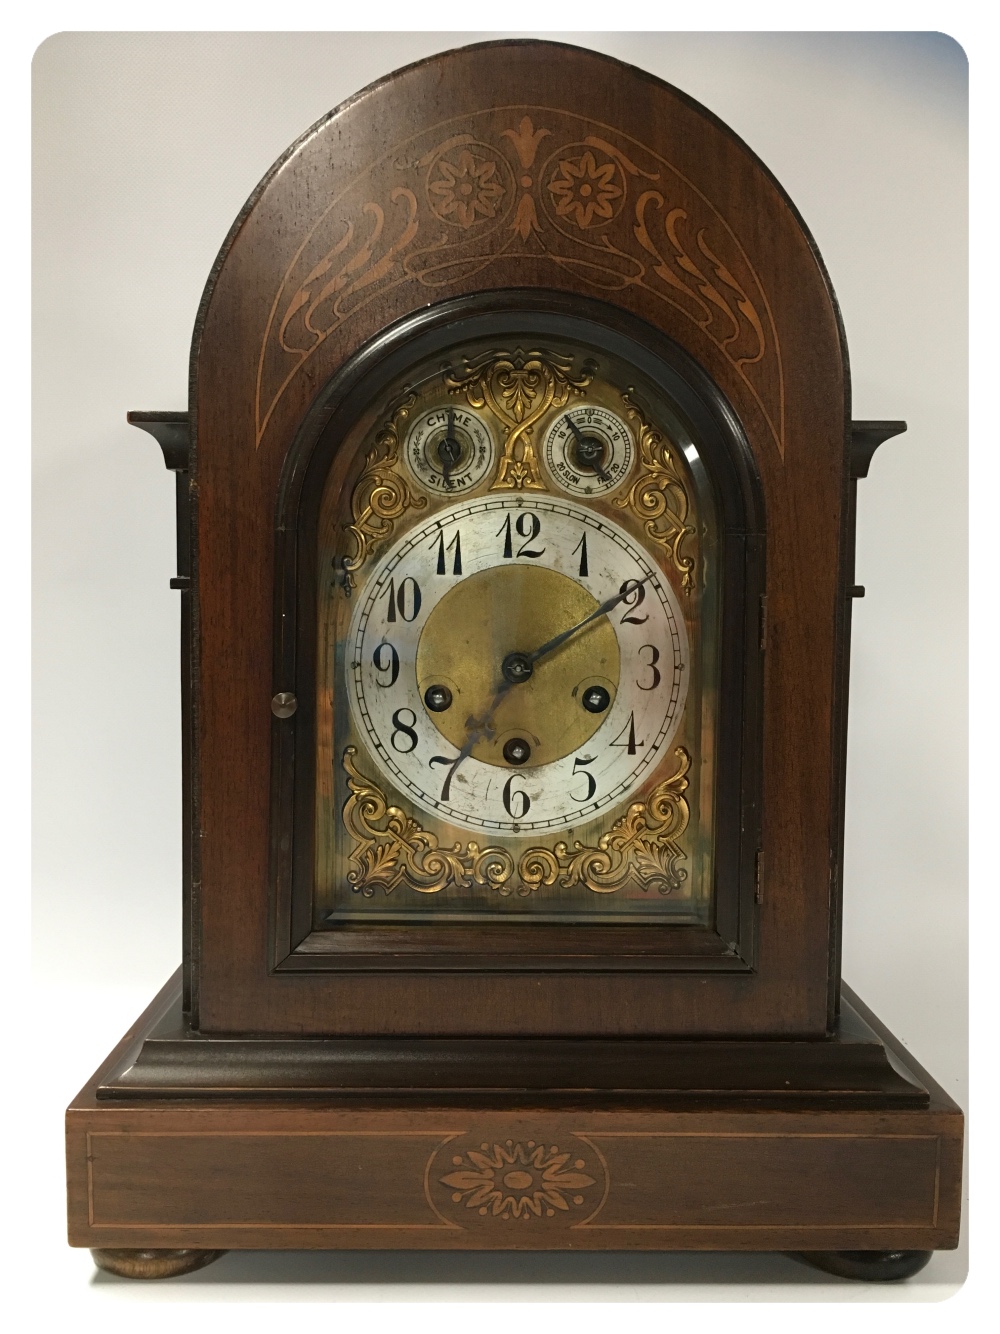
437,698
595,699
517,751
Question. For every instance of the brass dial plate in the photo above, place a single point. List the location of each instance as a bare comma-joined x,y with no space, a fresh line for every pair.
501,611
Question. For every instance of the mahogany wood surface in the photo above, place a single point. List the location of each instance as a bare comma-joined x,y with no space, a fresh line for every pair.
851,1068
739,1175
342,240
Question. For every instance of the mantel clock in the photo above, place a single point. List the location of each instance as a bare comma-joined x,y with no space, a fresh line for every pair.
515,522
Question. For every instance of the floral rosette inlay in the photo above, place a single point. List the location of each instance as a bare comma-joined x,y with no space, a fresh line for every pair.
601,206
582,190
466,190
515,1180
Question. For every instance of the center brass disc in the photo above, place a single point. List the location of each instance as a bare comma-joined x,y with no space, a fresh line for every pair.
516,609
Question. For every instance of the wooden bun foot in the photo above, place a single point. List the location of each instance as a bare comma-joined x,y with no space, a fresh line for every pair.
869,1266
153,1264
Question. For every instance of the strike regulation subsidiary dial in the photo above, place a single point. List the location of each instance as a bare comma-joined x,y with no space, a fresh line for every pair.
588,450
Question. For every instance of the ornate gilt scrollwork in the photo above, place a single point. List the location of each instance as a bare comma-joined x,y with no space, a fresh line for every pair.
658,497
391,850
381,494
519,388
643,843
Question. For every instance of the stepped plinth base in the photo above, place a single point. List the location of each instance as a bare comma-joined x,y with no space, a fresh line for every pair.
655,1152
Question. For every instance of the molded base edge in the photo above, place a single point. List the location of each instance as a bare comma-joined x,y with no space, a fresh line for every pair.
518,1169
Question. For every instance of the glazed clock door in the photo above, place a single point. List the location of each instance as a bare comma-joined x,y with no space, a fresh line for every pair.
520,599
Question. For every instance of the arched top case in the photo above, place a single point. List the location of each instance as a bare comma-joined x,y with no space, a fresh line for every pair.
512,191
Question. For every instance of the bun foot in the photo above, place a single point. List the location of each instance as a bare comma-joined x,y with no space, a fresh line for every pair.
869,1266
153,1264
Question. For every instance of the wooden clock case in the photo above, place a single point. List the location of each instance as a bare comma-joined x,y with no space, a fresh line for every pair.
694,1089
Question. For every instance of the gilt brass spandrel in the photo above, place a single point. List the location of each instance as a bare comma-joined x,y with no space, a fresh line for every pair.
381,494
520,388
523,394
659,497
391,850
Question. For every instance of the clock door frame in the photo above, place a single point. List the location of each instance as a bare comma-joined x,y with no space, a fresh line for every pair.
727,944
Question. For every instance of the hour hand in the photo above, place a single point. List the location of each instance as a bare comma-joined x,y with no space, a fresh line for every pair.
477,729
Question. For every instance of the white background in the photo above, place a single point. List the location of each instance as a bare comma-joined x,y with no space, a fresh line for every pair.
146,146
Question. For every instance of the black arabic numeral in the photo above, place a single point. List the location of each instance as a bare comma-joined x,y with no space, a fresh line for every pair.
392,666
413,598
631,745
529,534
452,766
456,543
390,588
634,595
408,595
581,546
652,667
527,526
591,780
402,728
509,797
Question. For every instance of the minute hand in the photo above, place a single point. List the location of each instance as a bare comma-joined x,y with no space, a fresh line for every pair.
551,645
481,726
